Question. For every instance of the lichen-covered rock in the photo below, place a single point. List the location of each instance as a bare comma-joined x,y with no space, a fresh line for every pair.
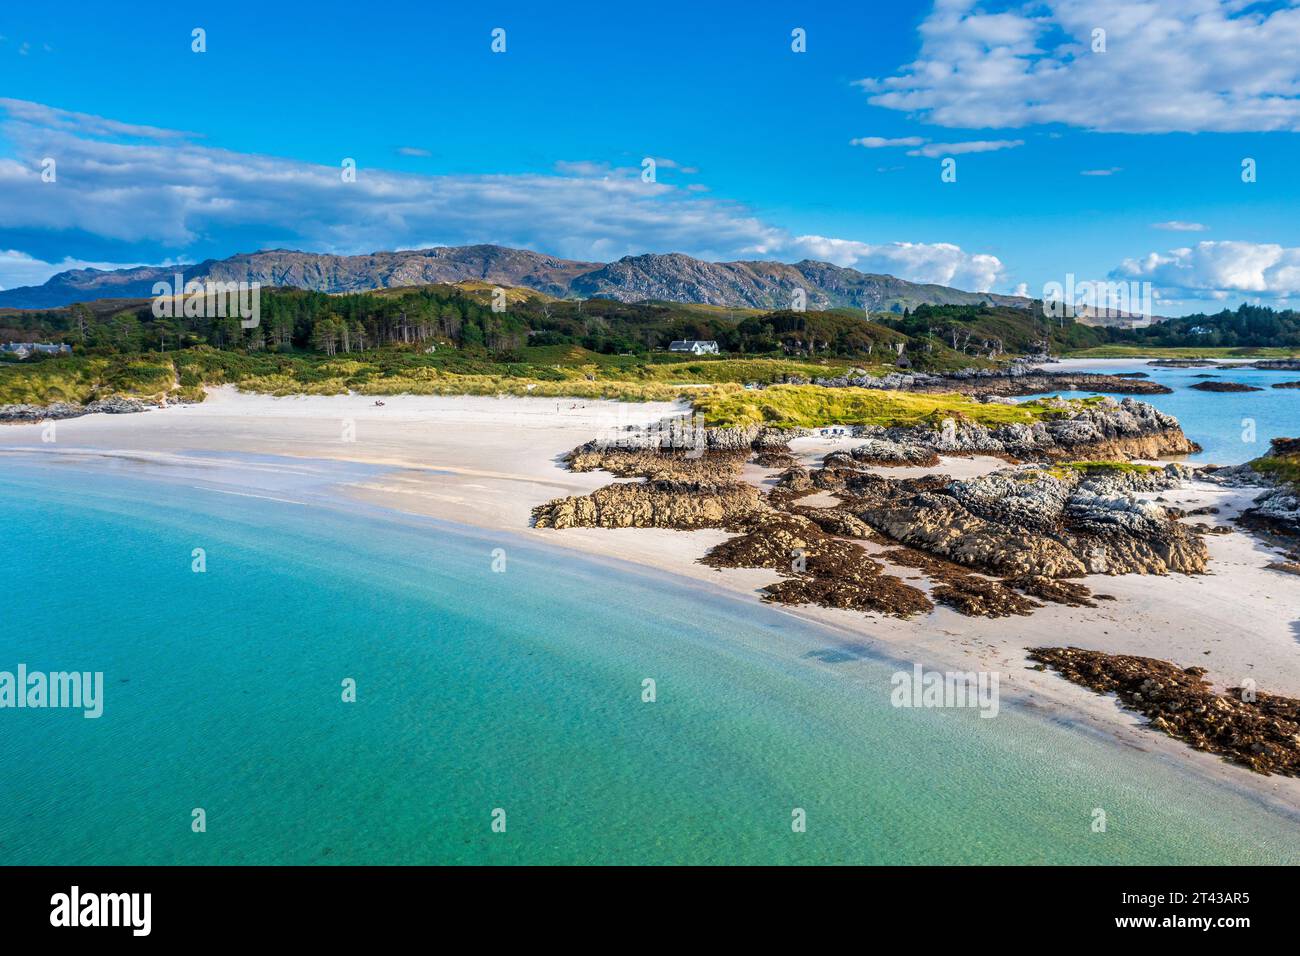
657,465
1276,511
653,504
1033,523
991,545
939,525
882,451
1107,430
1017,379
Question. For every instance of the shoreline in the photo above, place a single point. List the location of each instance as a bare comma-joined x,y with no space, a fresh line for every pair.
482,463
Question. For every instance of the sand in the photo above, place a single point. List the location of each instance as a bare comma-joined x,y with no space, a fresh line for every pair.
487,462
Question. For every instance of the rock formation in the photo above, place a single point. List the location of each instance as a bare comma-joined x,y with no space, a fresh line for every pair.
1225,387
1037,523
1249,727
818,568
995,545
60,410
1104,431
1017,379
1276,511
686,505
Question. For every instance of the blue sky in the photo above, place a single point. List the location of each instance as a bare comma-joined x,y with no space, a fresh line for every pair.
1068,159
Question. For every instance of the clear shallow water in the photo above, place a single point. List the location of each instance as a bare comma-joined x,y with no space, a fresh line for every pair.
1218,421
519,690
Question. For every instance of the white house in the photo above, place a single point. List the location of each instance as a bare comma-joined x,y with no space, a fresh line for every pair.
24,349
694,346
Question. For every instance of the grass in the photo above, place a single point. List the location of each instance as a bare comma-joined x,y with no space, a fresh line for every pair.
714,385
1087,469
744,371
1280,467
1140,351
1109,467
808,406
80,380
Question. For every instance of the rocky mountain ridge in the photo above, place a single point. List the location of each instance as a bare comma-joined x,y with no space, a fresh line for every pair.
671,277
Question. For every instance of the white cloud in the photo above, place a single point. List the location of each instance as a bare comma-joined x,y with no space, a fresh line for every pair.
935,150
19,268
1175,225
880,142
413,151
83,124
162,190
1168,65
1109,171
582,168
1218,270
938,262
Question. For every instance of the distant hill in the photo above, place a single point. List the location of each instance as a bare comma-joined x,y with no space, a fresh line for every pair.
671,278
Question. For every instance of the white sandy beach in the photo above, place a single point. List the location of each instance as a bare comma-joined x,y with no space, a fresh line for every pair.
487,462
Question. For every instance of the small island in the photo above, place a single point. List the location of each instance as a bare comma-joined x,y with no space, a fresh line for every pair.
1225,387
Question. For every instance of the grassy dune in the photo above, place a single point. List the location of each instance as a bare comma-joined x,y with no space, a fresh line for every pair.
1135,351
1281,467
807,406
560,371
715,386
80,380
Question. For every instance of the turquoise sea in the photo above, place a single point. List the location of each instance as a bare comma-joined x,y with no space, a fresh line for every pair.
520,690
1231,427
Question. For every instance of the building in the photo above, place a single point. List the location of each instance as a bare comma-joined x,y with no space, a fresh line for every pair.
694,346
25,349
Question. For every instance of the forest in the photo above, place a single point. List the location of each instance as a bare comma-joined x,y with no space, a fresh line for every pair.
444,316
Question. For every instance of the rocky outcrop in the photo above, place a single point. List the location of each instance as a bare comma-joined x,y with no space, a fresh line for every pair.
686,435
1278,365
1011,386
992,546
654,504
1014,380
1225,387
713,467
1055,590
1029,523
60,410
1248,727
817,568
893,381
884,452
774,459
1276,511
1106,430
966,593
1286,384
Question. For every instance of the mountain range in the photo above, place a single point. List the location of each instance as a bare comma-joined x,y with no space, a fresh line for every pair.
672,277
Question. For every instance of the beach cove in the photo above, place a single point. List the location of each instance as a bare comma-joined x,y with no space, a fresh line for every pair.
484,463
